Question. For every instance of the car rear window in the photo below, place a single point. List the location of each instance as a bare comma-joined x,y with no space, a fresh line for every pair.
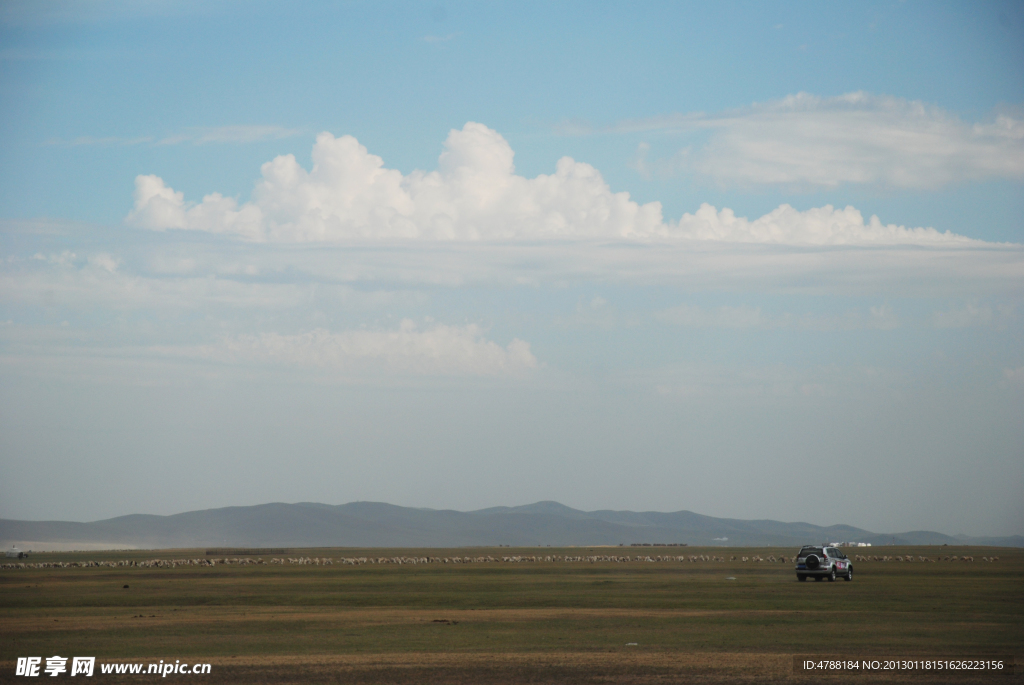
811,550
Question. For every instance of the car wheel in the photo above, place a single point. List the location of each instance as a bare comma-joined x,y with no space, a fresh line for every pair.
801,578
849,574
812,561
832,575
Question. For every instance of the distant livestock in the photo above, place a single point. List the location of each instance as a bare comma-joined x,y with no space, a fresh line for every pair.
414,560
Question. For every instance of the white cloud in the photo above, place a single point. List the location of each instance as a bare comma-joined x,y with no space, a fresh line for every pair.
104,261
740,382
196,136
818,226
598,312
1014,375
722,317
858,138
437,350
190,273
349,194
230,134
744,317
972,314
475,195
105,141
100,282
882,318
67,258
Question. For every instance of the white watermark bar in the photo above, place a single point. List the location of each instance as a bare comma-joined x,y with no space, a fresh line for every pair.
56,665
950,665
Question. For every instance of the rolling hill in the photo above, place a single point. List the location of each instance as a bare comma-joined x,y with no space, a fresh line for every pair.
375,524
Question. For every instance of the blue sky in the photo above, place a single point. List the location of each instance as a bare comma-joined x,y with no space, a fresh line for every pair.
398,77
341,251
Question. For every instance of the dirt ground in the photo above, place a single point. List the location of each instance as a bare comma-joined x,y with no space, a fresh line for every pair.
478,624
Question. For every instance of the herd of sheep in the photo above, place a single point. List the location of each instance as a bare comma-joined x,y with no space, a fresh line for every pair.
909,557
357,561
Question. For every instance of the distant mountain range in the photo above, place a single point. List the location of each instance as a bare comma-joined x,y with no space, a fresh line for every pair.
374,524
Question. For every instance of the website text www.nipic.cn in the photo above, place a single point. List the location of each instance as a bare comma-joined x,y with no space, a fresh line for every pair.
34,666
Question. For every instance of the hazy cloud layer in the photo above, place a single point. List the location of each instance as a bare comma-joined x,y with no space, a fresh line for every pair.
436,350
743,317
196,136
475,195
854,138
369,276
738,382
973,314
67,280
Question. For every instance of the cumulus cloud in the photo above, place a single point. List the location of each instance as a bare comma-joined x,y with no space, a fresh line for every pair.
475,195
158,207
818,226
858,138
437,350
349,194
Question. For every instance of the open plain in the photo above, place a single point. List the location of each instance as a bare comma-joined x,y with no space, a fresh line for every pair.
524,621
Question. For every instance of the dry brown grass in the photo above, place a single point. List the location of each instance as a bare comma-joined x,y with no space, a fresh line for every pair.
479,624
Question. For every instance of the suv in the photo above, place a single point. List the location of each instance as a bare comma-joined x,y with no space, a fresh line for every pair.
822,562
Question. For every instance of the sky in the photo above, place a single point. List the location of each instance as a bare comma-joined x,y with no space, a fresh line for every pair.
753,260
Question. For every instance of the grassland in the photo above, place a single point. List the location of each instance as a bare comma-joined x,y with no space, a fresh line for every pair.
530,622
